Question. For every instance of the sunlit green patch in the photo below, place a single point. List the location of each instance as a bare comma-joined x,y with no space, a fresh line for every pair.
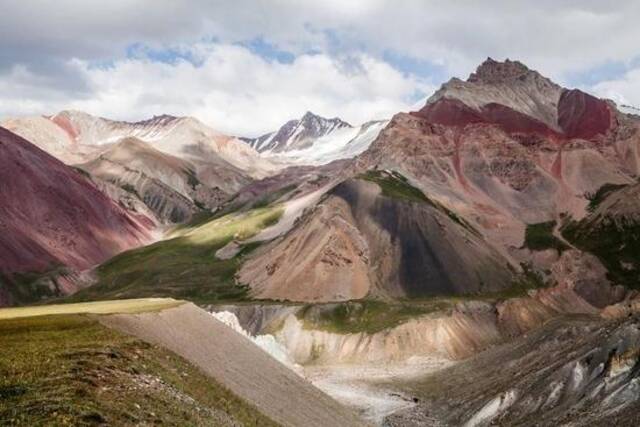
184,266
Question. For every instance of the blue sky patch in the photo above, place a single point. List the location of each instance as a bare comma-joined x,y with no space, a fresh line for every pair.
169,55
268,51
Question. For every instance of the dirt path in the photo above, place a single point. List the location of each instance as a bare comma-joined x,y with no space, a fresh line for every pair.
236,362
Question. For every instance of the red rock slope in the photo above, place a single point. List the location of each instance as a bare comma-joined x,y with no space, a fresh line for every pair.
52,216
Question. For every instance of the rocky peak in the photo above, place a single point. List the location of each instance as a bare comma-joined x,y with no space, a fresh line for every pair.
492,71
311,120
297,134
508,87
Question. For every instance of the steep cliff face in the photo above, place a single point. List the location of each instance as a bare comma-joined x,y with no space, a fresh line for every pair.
53,217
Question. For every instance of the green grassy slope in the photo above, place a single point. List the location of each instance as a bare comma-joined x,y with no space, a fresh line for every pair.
366,316
70,370
185,265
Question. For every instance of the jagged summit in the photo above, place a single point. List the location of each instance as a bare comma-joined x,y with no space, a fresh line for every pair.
310,117
297,134
492,71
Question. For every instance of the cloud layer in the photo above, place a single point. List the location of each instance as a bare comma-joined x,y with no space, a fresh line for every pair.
246,66
228,86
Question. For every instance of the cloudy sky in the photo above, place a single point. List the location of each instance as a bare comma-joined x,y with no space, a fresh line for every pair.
245,67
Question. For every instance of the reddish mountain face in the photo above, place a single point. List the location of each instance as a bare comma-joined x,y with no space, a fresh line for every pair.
581,115
519,101
452,112
52,216
507,149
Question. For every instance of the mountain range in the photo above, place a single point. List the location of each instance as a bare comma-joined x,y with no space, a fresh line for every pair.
496,227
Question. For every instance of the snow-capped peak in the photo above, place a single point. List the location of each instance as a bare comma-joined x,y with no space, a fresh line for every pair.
297,134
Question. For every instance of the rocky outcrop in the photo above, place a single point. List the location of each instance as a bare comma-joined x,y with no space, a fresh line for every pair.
611,232
585,274
510,85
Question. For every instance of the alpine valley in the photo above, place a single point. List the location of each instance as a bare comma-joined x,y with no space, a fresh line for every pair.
474,262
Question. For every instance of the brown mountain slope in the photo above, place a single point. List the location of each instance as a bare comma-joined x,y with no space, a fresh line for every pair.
169,186
379,236
52,217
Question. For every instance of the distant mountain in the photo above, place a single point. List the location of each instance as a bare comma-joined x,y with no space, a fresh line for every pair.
297,134
53,221
77,137
315,140
168,185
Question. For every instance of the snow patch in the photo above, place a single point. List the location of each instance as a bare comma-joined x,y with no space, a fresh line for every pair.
266,342
492,409
341,143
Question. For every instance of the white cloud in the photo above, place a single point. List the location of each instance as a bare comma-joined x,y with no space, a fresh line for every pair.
555,36
45,48
625,90
233,89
